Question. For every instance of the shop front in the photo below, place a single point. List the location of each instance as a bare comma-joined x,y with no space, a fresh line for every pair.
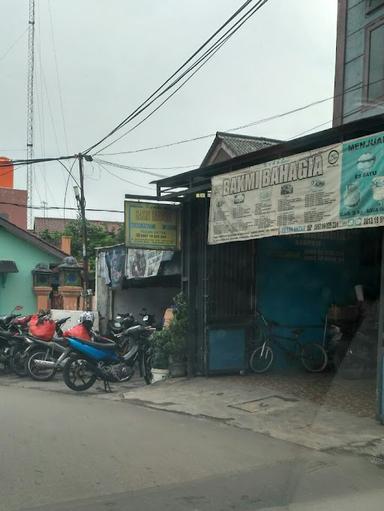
289,232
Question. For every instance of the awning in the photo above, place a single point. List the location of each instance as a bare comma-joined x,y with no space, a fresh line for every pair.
8,267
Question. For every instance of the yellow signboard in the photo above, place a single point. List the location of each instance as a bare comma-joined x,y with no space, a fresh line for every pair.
152,226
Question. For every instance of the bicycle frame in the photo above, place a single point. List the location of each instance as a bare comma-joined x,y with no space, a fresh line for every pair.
273,338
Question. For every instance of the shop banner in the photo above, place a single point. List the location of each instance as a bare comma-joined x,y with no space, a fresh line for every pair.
335,187
152,226
144,263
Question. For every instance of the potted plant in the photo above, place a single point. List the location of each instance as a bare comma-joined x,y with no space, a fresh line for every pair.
170,343
160,361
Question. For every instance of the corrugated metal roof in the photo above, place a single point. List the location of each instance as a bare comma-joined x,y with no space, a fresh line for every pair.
243,144
232,145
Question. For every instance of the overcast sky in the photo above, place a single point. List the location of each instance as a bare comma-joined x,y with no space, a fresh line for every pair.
96,60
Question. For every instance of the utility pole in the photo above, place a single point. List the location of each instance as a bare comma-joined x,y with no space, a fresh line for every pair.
31,67
80,196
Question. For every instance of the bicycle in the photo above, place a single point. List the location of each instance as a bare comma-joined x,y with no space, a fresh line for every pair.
313,356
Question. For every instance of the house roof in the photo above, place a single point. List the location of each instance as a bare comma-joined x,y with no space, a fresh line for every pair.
32,239
58,224
235,145
198,180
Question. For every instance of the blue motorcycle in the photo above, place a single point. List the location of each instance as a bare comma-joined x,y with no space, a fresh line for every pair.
100,359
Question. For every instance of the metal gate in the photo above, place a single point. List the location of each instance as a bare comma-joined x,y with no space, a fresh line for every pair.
230,282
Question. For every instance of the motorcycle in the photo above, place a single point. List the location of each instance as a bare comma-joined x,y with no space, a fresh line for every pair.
12,330
100,359
42,359
119,323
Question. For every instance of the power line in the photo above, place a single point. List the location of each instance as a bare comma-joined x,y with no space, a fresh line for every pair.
127,167
202,61
57,75
19,205
143,170
67,183
248,125
121,178
172,76
157,94
10,48
70,171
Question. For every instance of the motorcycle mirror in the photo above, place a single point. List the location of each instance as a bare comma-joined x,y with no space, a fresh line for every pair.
19,308
146,317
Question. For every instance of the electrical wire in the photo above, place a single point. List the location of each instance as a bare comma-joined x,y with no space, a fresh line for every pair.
127,167
157,93
19,205
70,171
67,183
57,76
123,179
248,125
202,61
174,74
143,170
10,48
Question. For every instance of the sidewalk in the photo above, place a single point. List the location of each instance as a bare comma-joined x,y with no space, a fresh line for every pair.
304,409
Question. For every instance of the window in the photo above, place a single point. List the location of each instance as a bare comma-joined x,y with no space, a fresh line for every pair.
374,4
374,76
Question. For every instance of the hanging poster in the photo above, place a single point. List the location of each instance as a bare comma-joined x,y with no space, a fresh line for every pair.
115,263
334,187
152,226
144,263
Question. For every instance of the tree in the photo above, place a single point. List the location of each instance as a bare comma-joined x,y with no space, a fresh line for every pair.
97,236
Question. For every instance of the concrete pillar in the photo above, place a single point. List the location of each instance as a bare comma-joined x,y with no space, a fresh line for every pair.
42,296
71,296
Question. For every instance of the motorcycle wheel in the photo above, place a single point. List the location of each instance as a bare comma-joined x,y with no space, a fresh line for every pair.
78,375
17,361
40,373
4,361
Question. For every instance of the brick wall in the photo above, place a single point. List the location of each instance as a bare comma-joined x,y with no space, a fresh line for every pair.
15,214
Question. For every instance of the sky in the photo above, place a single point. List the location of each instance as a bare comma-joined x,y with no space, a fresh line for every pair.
97,60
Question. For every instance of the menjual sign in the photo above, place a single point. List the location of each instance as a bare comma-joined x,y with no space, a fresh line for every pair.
335,187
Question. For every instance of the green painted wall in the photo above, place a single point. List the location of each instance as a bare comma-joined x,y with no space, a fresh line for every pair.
18,286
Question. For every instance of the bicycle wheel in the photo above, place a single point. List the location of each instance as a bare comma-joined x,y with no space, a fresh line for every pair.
314,357
261,359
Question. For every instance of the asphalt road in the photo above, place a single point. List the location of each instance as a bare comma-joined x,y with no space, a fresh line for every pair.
63,451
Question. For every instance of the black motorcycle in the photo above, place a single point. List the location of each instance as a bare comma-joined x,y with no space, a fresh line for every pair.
119,324
12,341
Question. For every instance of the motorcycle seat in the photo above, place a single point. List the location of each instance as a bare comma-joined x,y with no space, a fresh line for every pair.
99,342
61,341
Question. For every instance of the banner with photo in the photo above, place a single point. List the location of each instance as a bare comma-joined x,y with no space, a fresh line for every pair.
144,263
114,264
334,187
